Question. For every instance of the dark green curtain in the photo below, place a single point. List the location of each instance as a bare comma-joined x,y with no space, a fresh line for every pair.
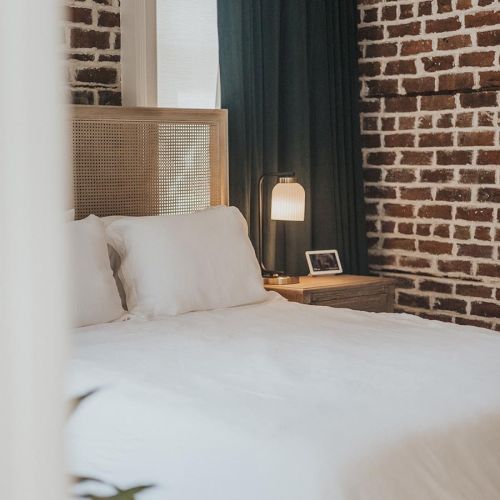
289,80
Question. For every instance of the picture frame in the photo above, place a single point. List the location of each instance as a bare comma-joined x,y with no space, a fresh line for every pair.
322,262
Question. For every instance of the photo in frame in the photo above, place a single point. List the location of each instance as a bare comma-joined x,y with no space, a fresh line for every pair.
323,262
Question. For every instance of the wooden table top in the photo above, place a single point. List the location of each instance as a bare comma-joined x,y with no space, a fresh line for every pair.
333,281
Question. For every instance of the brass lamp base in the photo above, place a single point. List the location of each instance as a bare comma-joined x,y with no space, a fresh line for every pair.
280,280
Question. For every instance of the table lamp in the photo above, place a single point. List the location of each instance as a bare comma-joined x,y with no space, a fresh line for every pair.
287,204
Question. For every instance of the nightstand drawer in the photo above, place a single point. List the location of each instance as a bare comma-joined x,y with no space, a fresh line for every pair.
363,293
369,303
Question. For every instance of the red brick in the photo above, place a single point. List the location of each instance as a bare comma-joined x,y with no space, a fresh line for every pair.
444,6
381,158
79,15
483,18
370,15
475,214
419,85
454,157
455,266
476,138
435,212
401,67
370,105
435,286
399,140
492,270
435,247
462,233
489,195
109,19
84,39
471,250
435,317
400,175
478,99
395,210
477,59
105,76
482,233
400,104
380,192
485,309
441,25
436,175
454,42
453,194
445,121
491,157
447,304
488,38
388,123
489,79
416,194
416,157
405,11
474,291
415,47
406,228
388,226
370,123
399,244
404,29
369,69
371,33
406,122
416,301
109,98
472,322
382,87
464,120
486,118
382,260
435,139
442,231
437,102
424,229
477,176
415,262
425,121
389,13
438,63
458,81
464,4
425,8
381,50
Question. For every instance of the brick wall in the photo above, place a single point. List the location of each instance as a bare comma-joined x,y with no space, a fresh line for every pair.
92,38
430,112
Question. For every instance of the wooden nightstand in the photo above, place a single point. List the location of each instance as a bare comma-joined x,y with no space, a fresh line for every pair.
364,293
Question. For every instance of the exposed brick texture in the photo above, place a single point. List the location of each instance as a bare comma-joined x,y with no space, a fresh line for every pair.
92,38
430,101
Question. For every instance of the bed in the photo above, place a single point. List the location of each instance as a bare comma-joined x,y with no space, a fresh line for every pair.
274,400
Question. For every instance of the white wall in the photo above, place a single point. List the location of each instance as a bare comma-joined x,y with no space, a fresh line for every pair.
31,251
170,53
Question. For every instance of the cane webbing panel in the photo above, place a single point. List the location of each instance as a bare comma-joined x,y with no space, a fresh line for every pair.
149,163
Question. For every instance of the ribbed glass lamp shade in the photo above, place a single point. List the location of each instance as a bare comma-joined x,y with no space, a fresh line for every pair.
288,200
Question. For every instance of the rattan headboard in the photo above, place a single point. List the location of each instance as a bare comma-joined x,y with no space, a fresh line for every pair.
148,161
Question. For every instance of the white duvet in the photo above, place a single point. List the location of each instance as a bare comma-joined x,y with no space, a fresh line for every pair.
281,401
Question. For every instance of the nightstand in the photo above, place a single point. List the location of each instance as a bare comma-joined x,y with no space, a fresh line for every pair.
364,293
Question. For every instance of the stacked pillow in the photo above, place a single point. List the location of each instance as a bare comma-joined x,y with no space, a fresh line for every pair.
168,265
93,289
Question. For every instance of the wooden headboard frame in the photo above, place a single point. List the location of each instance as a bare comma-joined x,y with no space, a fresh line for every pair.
148,161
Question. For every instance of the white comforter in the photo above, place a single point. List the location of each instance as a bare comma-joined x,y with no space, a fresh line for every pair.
280,401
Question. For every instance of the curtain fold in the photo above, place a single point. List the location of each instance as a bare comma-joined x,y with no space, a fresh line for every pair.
289,80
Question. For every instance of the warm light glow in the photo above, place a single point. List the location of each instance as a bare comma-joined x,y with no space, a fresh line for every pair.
288,200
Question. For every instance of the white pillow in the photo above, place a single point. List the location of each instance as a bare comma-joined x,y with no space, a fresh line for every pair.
172,264
94,293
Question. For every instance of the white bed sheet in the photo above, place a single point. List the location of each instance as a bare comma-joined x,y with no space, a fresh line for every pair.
281,401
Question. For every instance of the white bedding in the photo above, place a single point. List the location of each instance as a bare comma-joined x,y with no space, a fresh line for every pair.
281,401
